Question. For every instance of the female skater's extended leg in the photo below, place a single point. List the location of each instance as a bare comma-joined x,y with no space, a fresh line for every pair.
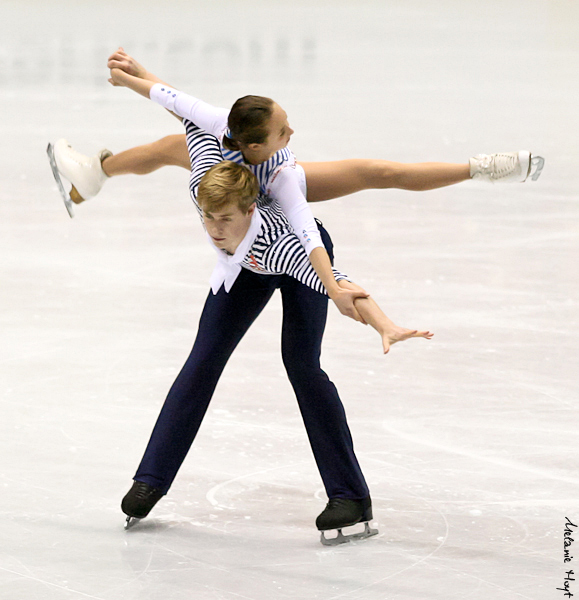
327,180
87,174
168,151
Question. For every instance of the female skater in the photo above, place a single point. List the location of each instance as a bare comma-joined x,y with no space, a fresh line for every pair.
255,133
325,180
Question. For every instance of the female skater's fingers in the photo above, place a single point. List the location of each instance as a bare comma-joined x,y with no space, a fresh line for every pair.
115,56
122,65
424,334
120,57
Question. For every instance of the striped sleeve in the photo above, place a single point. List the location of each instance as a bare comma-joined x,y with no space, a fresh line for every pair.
287,256
204,152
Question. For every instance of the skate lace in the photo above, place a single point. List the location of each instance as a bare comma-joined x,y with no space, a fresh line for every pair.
504,164
334,502
78,158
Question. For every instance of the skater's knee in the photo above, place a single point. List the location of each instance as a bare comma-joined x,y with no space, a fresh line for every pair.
382,173
302,367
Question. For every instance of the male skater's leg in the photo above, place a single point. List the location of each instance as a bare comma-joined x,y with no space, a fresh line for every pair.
304,319
225,319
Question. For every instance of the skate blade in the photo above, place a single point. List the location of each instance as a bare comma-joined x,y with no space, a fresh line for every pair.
537,164
344,539
131,522
56,173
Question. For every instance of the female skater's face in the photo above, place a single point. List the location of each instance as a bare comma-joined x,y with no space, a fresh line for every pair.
228,226
278,137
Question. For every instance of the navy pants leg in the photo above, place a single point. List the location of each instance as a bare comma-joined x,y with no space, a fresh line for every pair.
304,321
224,320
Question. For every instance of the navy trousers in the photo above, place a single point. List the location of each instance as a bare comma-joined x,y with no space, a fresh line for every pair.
225,319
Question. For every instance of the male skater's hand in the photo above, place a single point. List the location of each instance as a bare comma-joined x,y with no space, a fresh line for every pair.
344,300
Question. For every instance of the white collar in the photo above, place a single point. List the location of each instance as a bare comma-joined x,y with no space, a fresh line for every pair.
228,266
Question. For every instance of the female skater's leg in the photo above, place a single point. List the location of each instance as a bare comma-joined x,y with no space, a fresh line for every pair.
87,174
168,151
327,180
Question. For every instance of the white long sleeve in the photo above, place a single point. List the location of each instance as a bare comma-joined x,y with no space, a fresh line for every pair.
285,188
211,119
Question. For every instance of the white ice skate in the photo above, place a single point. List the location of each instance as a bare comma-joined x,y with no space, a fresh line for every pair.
506,167
85,173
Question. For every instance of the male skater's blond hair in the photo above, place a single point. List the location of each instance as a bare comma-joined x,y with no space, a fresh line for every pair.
227,183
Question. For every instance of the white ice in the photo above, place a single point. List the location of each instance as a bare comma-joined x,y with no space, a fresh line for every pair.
469,441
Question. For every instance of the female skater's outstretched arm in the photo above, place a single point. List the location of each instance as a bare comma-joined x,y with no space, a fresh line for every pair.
373,315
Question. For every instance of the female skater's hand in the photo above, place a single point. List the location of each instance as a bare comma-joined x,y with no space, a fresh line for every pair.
344,300
121,60
399,334
118,78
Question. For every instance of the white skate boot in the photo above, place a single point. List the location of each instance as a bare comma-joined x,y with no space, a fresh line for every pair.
85,173
506,167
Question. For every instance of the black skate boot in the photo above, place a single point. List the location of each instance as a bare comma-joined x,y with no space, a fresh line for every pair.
139,501
342,512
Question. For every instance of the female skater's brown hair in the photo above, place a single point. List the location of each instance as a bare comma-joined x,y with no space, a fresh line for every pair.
248,121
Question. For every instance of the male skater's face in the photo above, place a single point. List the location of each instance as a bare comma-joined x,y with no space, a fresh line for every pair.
228,226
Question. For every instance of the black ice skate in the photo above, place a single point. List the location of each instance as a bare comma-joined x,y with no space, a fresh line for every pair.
340,513
139,501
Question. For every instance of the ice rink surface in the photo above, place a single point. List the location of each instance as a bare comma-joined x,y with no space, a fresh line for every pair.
469,441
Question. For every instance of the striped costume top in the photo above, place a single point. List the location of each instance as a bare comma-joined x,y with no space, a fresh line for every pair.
270,246
278,176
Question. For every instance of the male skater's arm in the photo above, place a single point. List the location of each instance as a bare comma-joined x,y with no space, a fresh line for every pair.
286,190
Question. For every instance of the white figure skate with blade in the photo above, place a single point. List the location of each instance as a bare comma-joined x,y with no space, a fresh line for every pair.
84,173
506,167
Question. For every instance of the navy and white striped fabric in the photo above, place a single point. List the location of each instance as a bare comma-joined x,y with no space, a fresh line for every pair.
265,172
276,249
